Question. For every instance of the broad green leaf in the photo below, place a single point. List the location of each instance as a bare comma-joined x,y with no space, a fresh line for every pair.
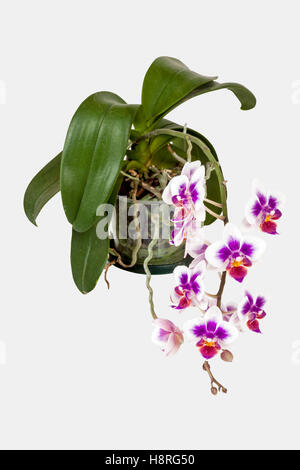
88,258
94,149
89,254
168,83
42,187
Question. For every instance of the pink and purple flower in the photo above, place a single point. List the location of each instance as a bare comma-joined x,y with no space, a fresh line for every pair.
263,210
235,253
167,335
186,192
251,311
188,189
189,288
211,333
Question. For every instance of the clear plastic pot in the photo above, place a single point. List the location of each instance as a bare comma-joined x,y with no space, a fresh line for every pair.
146,220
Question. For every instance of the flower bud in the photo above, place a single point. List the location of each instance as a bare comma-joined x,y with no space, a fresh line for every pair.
214,390
227,356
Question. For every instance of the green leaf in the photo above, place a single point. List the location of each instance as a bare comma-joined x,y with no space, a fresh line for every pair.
94,149
168,83
89,254
88,258
42,187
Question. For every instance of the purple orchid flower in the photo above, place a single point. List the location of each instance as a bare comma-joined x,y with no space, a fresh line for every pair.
187,191
189,289
167,335
229,311
211,333
236,253
263,210
252,311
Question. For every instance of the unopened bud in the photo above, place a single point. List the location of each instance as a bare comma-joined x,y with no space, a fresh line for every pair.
214,390
227,356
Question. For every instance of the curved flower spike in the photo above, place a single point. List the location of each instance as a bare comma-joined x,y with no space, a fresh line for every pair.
167,335
210,332
236,253
263,209
251,311
189,289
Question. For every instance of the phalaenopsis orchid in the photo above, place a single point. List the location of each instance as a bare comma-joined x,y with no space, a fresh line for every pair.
217,324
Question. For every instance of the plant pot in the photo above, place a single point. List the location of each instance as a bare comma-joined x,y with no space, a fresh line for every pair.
145,220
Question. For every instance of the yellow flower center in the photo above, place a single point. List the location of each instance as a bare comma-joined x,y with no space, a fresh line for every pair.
210,343
268,218
236,263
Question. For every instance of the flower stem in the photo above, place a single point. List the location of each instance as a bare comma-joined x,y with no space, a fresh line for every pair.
213,381
221,289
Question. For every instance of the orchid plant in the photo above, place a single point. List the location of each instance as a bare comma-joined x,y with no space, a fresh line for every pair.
114,150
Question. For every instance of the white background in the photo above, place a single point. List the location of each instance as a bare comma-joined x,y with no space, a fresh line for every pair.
81,371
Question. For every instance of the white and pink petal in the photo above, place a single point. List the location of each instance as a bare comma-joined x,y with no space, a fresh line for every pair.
253,247
213,317
217,255
226,332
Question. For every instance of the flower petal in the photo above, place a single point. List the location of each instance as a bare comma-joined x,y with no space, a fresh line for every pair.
232,236
165,324
259,191
182,275
173,344
160,337
198,260
260,301
217,255
269,227
254,326
208,351
178,186
198,271
167,195
238,273
244,307
276,200
213,317
194,329
226,332
194,171
254,245
196,246
252,211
